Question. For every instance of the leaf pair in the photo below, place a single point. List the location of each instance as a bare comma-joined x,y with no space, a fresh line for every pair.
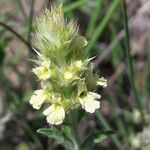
66,138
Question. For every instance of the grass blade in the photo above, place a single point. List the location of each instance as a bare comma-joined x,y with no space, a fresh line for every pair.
94,17
128,58
106,126
101,27
74,5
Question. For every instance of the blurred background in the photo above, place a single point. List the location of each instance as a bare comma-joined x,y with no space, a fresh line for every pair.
125,104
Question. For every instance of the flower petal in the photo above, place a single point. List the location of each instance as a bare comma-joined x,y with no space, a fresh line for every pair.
55,114
43,73
49,110
102,82
37,99
94,95
91,106
89,103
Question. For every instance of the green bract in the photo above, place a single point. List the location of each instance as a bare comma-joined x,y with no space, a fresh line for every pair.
66,77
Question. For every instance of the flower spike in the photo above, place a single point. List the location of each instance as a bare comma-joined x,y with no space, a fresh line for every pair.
67,78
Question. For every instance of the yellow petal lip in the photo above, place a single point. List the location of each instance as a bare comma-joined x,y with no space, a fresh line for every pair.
68,75
78,64
37,99
43,73
55,114
89,102
102,82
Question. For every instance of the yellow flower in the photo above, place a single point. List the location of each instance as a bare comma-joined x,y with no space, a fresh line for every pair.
55,114
79,64
89,102
42,72
102,82
68,75
38,98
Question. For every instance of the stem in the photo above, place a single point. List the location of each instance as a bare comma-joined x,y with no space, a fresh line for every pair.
76,146
128,58
17,35
76,139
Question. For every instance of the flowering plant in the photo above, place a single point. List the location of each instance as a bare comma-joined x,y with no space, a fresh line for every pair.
66,76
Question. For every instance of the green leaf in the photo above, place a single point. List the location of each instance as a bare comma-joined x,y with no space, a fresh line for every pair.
102,136
67,132
96,137
59,136
52,133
